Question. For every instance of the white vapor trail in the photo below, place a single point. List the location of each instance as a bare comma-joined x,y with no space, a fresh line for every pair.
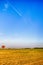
14,8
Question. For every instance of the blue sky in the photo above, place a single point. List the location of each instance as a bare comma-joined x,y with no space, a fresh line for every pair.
21,23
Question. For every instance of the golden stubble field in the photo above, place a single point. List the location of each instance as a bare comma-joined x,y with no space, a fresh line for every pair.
21,56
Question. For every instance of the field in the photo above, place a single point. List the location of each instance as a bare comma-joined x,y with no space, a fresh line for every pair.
21,56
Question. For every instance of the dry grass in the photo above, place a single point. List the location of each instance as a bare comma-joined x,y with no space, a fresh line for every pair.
21,56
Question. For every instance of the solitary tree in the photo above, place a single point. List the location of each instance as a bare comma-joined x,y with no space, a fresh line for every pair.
3,46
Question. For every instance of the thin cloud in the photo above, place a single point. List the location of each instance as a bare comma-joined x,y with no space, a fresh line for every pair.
5,6
14,8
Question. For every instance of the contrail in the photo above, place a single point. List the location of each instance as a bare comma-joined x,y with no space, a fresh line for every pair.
14,9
